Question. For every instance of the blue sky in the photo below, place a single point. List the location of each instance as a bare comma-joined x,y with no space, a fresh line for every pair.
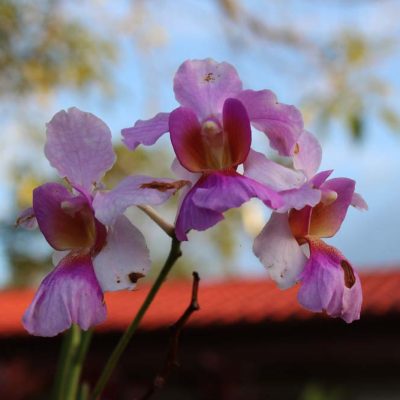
194,29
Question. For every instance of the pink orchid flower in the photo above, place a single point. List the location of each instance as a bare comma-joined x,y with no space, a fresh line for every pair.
211,137
294,185
328,281
97,247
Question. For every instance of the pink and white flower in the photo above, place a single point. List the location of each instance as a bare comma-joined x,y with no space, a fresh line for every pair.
97,248
211,136
328,281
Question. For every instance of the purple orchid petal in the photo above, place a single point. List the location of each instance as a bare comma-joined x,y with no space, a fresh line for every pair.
210,146
307,154
70,294
187,140
133,190
221,192
203,86
267,172
329,283
66,221
124,259
237,130
79,147
326,218
279,251
320,178
358,202
282,123
299,198
146,132
191,216
27,219
292,185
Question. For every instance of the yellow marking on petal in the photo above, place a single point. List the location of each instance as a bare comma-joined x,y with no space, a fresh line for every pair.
328,197
296,149
209,77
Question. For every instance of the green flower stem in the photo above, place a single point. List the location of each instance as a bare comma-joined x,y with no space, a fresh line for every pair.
174,254
84,392
76,365
69,346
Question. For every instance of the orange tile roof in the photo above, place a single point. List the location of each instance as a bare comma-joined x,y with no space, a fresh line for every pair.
224,303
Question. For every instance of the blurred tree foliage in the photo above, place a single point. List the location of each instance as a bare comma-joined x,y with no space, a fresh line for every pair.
42,48
346,63
46,48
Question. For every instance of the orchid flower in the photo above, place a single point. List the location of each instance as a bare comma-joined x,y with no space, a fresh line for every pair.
211,136
328,281
96,247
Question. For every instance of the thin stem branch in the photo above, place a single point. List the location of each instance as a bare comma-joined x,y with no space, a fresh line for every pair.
158,219
171,359
174,254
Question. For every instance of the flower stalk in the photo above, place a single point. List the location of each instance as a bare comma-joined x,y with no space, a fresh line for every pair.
73,351
158,219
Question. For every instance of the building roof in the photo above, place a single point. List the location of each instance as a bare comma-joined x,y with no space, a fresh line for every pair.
221,303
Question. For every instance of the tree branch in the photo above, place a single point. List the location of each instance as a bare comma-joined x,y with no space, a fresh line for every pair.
171,359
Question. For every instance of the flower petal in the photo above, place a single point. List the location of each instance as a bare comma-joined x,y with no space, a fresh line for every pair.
307,154
27,219
221,192
358,202
146,132
186,139
190,216
330,284
279,251
124,259
299,222
326,218
203,86
299,198
237,130
79,147
133,190
66,221
320,178
267,172
282,123
70,294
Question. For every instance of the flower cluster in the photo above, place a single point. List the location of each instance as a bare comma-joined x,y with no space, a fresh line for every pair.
98,248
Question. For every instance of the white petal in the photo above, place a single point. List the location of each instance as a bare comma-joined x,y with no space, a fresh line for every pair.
131,191
263,170
358,202
308,154
124,259
279,251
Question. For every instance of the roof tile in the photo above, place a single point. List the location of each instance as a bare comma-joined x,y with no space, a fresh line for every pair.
223,303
